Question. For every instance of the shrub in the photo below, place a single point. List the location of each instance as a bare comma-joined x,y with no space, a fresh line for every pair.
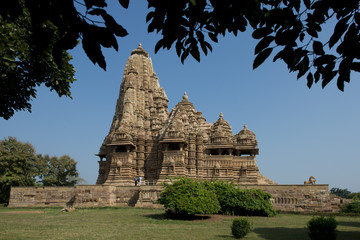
322,228
188,197
353,207
248,202
240,227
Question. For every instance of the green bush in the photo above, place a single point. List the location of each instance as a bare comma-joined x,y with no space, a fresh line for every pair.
240,227
353,207
247,202
322,228
188,197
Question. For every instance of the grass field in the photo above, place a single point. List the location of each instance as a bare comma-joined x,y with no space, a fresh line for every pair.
142,224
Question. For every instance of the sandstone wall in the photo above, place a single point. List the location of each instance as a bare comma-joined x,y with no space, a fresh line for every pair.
84,196
292,198
301,198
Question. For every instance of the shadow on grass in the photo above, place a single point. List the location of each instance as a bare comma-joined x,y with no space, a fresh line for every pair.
226,236
348,235
167,216
280,233
349,224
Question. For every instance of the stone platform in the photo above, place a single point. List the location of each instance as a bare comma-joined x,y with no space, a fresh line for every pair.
290,198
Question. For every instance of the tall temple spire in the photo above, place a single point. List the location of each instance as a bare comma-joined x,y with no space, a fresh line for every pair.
145,140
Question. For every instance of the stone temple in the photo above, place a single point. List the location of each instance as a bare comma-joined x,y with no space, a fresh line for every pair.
146,140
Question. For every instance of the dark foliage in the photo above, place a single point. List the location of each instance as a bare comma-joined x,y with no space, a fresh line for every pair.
353,207
247,202
344,193
240,227
35,35
21,166
291,30
188,197
290,27
322,228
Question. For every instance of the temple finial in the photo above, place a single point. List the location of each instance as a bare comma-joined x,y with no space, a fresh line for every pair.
140,45
185,97
245,126
221,115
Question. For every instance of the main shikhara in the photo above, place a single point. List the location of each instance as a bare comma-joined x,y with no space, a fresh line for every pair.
146,140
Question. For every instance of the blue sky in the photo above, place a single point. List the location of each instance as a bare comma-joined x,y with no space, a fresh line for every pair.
301,132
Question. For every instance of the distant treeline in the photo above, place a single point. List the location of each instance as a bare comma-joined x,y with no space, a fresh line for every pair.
345,193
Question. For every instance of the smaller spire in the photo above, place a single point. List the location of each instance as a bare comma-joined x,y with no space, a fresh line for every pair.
185,97
140,51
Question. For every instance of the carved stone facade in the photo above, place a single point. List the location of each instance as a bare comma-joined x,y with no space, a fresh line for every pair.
146,140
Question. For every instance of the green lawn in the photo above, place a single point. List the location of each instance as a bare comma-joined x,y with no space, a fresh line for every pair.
133,223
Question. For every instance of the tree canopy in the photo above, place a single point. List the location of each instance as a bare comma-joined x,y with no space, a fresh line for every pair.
27,61
293,31
18,166
21,166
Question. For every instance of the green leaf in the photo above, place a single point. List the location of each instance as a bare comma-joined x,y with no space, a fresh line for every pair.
149,16
111,24
97,12
213,37
310,80
203,47
208,45
339,30
344,70
340,83
303,66
261,32
124,3
98,3
312,32
318,48
261,57
184,55
195,52
92,49
178,47
264,43
279,55
158,45
355,66
200,36
317,76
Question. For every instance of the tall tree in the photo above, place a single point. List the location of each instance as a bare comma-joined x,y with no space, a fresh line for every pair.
58,171
27,60
21,166
288,29
18,166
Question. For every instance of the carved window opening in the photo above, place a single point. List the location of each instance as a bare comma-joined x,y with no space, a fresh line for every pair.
171,169
214,152
225,152
245,153
120,149
243,172
174,147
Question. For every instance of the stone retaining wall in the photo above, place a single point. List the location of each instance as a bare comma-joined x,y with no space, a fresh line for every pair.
84,196
291,198
301,198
